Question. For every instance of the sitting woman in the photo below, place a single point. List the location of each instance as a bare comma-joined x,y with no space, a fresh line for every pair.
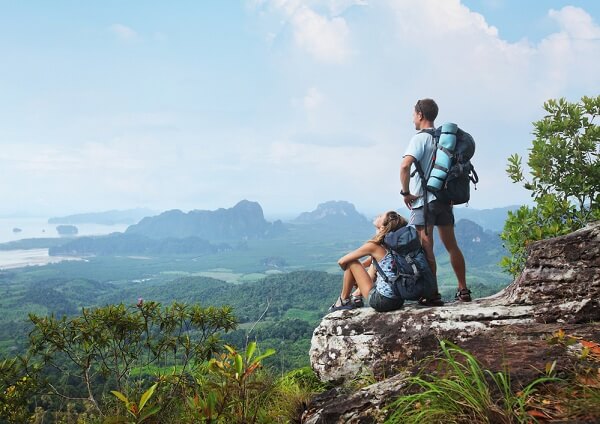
380,294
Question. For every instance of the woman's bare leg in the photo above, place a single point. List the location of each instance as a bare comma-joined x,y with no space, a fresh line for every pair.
372,274
356,274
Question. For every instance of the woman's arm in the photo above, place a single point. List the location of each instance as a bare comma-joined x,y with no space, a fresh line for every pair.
365,250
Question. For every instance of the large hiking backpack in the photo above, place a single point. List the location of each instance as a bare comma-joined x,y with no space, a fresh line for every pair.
414,279
452,170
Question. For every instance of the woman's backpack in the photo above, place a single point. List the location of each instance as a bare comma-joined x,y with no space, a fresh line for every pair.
413,277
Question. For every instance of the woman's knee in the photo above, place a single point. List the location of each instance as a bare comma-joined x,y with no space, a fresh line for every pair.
354,264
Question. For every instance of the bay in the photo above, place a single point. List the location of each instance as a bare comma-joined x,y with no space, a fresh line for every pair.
10,259
39,228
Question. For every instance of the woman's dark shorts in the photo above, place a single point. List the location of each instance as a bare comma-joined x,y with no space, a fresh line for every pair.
382,303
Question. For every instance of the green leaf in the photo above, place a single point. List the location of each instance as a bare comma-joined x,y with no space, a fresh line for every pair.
120,396
211,402
267,353
239,364
153,410
147,395
250,350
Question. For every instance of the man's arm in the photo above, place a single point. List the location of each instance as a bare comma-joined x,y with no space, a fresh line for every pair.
405,165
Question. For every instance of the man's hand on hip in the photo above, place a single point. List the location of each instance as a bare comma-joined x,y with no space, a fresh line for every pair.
408,199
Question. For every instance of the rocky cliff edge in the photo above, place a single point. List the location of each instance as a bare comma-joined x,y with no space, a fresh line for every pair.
559,289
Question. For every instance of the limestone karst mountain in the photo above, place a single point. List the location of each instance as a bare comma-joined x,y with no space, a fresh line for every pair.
490,219
336,213
479,246
175,232
245,220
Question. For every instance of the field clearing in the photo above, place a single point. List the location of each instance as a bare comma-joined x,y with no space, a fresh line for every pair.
304,315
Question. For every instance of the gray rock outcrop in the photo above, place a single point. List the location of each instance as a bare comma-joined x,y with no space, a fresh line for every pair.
558,290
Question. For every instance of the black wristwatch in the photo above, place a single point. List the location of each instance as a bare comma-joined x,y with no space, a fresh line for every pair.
404,193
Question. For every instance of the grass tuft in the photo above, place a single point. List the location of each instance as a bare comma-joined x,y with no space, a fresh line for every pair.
464,393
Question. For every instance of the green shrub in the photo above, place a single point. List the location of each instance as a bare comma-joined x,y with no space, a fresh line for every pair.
564,164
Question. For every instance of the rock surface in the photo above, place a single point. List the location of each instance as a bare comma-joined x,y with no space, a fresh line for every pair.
558,290
340,406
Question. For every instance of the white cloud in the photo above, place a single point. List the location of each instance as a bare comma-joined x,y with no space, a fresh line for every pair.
341,136
312,99
576,22
570,56
490,86
432,19
486,69
326,37
124,32
338,7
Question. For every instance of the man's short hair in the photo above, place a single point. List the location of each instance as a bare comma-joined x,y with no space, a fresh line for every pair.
427,107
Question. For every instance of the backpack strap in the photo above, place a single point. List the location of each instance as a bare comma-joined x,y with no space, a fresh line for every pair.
474,177
413,265
442,168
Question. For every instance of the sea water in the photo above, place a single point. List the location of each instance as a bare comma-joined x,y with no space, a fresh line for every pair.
39,228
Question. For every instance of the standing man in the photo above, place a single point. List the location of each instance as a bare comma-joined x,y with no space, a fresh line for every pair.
421,151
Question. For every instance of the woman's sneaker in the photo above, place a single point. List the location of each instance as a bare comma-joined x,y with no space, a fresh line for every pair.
341,304
463,295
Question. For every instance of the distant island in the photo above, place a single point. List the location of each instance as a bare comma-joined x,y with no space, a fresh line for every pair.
67,230
17,230
112,217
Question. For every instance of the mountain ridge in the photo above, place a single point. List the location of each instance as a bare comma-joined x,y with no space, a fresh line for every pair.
243,221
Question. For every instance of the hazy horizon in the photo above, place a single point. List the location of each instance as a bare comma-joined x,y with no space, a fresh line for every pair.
269,215
119,105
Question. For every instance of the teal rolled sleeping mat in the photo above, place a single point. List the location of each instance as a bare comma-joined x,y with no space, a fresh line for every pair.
443,157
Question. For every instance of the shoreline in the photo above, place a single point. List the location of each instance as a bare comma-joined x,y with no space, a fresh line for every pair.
22,258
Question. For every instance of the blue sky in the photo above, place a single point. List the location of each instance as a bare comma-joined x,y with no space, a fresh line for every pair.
197,105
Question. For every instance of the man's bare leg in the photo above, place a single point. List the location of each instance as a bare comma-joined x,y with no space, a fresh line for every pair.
457,259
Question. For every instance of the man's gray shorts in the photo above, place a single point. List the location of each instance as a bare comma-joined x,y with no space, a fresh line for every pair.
438,213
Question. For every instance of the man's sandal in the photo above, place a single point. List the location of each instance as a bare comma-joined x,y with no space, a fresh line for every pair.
463,295
436,300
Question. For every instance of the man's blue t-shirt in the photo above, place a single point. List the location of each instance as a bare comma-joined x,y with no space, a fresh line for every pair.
422,148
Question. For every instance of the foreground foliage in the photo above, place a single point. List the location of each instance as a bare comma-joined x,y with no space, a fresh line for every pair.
464,393
564,163
461,391
18,384
146,364
108,343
